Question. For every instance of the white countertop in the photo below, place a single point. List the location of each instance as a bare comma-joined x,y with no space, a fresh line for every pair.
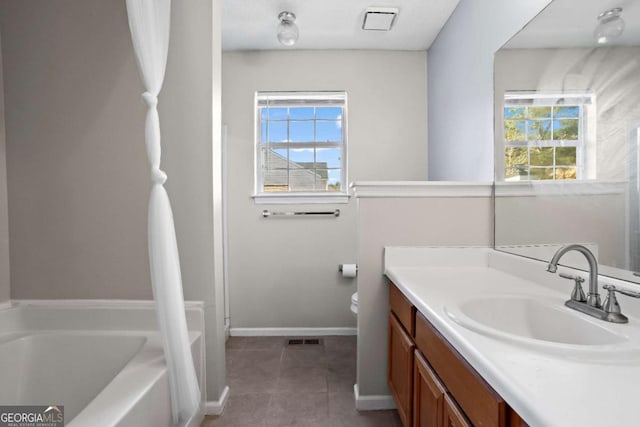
554,385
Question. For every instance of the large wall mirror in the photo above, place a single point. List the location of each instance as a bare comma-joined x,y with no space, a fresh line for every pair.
567,131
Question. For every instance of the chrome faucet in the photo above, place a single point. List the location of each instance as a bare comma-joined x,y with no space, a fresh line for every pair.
593,298
591,303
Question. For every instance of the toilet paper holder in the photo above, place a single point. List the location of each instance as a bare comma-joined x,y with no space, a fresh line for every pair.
341,269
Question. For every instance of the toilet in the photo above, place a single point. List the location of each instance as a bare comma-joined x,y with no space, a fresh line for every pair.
354,304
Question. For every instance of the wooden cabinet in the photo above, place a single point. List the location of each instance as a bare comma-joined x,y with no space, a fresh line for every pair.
428,394
431,383
453,416
478,400
400,370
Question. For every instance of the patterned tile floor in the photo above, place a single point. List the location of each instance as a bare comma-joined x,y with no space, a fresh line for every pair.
277,385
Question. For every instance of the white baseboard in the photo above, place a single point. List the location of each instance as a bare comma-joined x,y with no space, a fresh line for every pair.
215,407
195,421
290,332
373,402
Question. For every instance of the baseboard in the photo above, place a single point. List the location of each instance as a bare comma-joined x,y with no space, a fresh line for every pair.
195,421
372,402
290,332
215,407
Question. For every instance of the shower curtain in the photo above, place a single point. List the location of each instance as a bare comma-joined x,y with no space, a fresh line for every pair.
149,22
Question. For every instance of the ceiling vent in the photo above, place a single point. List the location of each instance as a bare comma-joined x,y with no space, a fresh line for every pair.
379,18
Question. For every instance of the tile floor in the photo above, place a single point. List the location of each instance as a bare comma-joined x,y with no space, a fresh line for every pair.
278,385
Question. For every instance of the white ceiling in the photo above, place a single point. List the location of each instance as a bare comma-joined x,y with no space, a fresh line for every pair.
332,24
570,23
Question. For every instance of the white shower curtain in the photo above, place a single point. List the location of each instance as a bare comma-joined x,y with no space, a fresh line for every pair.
149,22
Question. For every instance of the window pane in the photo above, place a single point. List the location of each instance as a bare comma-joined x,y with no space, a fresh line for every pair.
301,131
565,129
328,179
566,156
541,173
263,132
263,114
538,130
302,179
334,183
516,174
566,111
566,173
274,159
302,156
328,157
515,156
277,131
541,156
329,131
514,113
279,113
329,113
274,170
539,112
514,130
301,113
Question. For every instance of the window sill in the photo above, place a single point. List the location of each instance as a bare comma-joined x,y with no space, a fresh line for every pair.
300,198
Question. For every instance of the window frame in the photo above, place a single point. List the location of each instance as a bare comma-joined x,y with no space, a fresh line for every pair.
299,99
585,156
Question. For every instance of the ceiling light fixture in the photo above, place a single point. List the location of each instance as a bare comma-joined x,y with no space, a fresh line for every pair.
610,26
287,29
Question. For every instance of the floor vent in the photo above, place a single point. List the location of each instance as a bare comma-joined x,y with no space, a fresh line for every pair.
308,341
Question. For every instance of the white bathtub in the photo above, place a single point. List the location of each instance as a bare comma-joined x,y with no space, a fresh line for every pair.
102,360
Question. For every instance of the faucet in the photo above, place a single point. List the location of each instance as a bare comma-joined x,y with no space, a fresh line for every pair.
590,304
593,298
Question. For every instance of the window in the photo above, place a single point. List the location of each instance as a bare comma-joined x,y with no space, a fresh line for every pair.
301,144
545,136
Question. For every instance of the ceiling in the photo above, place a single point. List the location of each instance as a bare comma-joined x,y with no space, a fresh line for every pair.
570,23
332,24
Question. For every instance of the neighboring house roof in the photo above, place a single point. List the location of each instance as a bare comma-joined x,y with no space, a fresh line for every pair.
282,172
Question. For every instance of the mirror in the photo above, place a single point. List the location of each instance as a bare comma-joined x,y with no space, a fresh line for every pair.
567,131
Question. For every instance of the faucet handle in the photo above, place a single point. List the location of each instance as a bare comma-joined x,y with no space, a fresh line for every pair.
569,276
612,289
611,302
577,294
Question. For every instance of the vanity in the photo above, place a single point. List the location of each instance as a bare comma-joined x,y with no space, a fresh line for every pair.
479,337
430,382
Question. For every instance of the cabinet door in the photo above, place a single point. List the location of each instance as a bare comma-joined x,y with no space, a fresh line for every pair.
428,394
400,369
453,416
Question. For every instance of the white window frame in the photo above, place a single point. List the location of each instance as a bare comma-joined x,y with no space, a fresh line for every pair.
585,145
300,99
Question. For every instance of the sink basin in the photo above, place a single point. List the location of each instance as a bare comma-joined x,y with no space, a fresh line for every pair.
533,320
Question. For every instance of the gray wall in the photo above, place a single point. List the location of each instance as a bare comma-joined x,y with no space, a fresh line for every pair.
283,272
77,172
461,86
392,221
5,289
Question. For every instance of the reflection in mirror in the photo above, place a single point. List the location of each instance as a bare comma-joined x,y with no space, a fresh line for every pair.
567,130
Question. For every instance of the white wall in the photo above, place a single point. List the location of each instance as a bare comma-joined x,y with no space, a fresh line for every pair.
460,220
5,288
284,272
460,75
78,177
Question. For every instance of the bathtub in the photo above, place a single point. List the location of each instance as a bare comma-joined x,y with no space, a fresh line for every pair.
102,360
